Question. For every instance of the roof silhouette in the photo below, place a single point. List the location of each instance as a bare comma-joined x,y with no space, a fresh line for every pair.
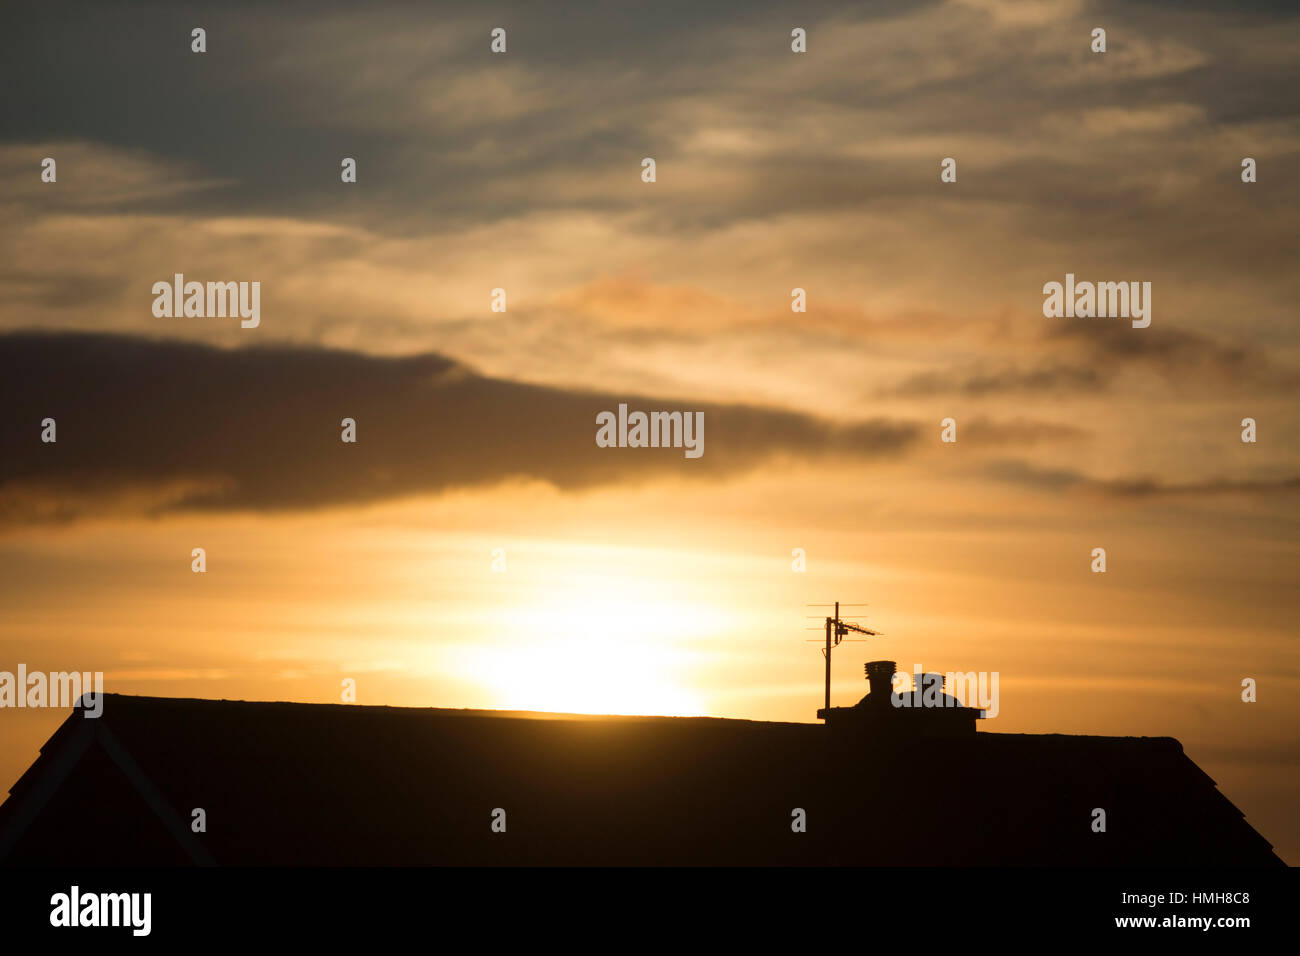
326,784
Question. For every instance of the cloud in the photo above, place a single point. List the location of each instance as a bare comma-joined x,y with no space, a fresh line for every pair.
159,426
96,179
1019,432
777,170
975,383
448,135
1064,479
1182,357
1083,357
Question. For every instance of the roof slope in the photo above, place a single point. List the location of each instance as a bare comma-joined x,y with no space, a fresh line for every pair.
318,784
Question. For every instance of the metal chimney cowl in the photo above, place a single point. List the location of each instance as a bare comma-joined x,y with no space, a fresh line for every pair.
880,677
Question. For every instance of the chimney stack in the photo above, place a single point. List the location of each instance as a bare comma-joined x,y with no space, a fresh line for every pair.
929,681
880,676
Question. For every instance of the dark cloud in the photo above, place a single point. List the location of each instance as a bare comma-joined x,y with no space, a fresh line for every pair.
1281,9
1098,351
1183,358
409,89
167,425
1059,377
1150,487
447,135
59,290
1049,479
1170,347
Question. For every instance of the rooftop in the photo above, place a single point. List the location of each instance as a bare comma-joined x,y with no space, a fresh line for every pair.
286,783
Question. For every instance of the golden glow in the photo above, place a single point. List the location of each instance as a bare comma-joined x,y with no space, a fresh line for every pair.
609,648
588,675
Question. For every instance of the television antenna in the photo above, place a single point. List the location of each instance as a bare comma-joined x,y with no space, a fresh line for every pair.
837,629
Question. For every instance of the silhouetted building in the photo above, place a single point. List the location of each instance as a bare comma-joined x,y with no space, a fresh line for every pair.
311,784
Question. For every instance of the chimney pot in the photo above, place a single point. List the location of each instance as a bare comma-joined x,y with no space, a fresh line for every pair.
880,675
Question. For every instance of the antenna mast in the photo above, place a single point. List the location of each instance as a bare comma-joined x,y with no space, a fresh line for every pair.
836,630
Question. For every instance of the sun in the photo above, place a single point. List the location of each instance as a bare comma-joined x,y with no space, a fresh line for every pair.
614,654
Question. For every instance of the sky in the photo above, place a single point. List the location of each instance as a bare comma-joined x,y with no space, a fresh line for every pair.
475,547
